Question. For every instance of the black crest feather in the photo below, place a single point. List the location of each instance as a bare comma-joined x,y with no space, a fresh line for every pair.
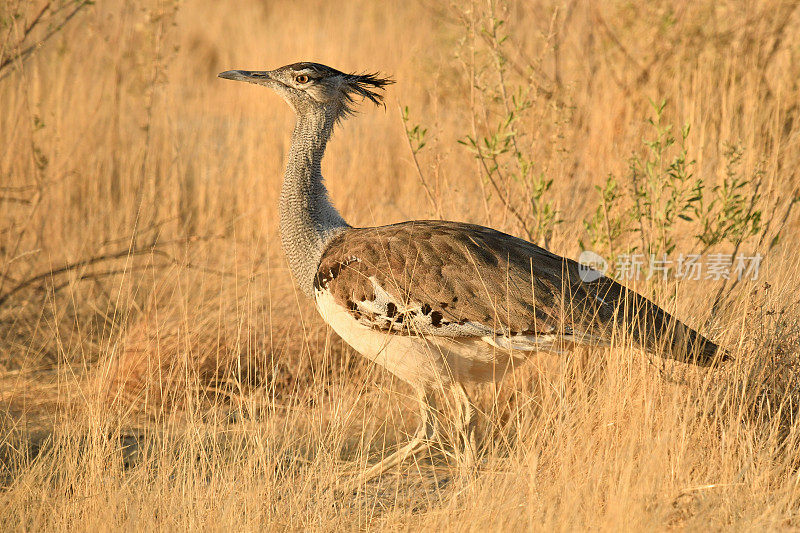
365,85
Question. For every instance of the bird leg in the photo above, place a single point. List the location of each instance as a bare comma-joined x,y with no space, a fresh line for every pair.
465,426
422,440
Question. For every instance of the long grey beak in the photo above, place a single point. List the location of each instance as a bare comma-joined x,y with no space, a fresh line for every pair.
245,75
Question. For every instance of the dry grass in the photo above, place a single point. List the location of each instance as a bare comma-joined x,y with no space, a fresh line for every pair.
178,381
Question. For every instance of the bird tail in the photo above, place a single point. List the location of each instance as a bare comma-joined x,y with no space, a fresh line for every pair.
657,331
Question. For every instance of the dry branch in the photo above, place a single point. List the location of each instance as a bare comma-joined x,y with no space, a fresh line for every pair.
54,28
151,249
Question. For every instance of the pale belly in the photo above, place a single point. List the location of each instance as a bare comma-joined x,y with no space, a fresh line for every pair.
429,362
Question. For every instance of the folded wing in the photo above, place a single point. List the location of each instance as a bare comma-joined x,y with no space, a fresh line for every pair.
448,279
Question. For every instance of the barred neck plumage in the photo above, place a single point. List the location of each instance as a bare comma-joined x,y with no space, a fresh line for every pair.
308,220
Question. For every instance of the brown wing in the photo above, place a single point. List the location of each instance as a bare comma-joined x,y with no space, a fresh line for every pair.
457,279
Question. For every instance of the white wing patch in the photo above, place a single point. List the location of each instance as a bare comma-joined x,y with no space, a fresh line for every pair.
415,318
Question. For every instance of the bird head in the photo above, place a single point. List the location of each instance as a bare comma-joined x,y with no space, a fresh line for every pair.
311,86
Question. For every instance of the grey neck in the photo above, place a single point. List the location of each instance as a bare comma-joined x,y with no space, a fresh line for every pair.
308,220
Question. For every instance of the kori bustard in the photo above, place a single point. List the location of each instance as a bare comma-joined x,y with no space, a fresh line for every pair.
439,304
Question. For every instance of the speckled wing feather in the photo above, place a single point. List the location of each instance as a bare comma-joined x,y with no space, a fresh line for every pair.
449,279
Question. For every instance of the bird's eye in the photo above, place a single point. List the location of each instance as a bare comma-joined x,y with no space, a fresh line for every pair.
302,78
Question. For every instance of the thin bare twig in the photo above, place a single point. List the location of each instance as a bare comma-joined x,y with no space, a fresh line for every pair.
505,200
22,55
25,32
69,267
14,200
429,194
94,276
151,249
470,68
